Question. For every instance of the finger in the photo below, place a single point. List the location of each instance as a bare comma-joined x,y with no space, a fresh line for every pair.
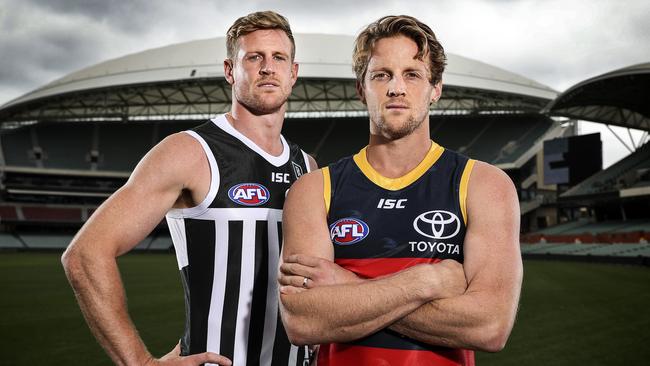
288,290
297,269
296,281
174,353
304,259
208,357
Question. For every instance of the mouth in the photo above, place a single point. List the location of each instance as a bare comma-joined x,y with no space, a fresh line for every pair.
397,106
268,84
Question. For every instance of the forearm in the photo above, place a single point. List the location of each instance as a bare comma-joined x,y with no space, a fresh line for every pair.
479,320
98,288
341,313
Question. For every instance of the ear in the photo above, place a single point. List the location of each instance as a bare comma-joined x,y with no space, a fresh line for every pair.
228,70
360,92
294,73
436,93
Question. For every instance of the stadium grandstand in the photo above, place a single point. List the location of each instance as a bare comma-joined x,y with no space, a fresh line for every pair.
68,145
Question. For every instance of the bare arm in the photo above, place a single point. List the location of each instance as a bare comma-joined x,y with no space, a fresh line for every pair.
484,315
340,312
127,217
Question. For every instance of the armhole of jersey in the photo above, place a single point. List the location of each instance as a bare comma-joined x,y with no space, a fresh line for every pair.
306,157
464,184
214,183
327,188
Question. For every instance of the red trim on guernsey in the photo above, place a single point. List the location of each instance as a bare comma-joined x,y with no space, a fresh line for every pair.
375,267
341,354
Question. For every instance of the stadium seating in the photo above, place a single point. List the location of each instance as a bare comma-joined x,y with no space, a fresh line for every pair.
596,249
65,145
17,148
9,241
46,241
626,173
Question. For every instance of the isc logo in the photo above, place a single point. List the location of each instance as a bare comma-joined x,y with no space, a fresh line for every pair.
348,231
249,194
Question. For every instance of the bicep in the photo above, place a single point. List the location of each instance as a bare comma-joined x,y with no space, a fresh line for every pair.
134,210
492,256
305,219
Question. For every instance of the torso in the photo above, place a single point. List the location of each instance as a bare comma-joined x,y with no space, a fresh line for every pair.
228,247
379,226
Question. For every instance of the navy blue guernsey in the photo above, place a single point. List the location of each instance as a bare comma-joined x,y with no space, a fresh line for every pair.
228,249
380,225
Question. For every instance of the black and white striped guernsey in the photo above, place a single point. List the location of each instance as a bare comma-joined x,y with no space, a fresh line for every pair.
228,247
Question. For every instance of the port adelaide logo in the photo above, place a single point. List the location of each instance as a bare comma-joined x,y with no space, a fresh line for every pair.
348,231
249,194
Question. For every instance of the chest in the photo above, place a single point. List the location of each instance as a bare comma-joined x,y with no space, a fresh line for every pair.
376,231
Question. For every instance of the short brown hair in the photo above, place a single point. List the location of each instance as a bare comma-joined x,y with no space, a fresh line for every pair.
394,25
256,21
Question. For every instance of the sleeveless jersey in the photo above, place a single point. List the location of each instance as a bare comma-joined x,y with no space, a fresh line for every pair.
228,249
380,226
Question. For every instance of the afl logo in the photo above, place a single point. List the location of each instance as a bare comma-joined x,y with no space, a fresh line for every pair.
437,224
249,194
348,231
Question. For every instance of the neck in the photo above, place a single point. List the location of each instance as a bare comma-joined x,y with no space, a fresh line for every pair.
395,158
263,129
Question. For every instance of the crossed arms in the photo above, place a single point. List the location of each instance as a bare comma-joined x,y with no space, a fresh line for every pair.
471,306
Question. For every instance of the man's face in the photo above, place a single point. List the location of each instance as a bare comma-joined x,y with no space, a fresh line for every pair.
396,88
262,73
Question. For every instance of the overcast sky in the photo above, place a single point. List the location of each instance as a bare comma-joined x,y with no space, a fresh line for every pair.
555,42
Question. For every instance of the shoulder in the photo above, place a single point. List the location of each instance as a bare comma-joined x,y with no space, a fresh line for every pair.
176,158
489,185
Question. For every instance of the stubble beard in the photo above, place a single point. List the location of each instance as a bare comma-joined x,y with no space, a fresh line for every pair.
397,132
259,105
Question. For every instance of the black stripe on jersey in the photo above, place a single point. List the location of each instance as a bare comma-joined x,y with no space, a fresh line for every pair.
282,346
231,295
197,280
258,307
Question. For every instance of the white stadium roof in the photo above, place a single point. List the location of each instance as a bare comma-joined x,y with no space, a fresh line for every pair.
469,83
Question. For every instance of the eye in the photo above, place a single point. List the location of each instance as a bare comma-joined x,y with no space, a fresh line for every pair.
279,58
254,57
379,76
412,75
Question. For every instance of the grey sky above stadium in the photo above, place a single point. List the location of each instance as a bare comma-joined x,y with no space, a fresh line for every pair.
555,42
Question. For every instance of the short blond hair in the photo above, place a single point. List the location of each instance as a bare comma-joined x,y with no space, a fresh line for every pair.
256,21
394,25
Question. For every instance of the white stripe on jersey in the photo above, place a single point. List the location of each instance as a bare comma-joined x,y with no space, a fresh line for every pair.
246,292
177,231
271,312
218,286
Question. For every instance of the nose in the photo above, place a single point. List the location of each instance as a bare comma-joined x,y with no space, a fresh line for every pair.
267,67
396,87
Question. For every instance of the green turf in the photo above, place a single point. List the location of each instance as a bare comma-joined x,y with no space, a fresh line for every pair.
570,314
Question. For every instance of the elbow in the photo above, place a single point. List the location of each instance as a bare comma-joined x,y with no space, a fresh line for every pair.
70,261
296,329
301,330
493,337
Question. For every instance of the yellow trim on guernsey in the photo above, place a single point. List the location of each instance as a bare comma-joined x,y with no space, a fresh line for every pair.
464,183
327,188
394,184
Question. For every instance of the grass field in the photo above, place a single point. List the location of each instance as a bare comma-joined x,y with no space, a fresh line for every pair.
570,313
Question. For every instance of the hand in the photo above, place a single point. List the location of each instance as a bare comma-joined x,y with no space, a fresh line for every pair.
318,271
174,358
451,279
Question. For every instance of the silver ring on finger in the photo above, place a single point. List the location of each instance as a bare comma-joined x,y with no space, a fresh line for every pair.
304,282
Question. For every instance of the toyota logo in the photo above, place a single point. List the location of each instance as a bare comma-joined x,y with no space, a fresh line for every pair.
437,224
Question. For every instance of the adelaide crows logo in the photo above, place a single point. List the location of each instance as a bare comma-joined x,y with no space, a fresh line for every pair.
348,231
249,194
